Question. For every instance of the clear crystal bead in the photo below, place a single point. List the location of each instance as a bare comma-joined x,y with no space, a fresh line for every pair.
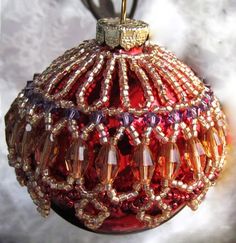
143,166
107,163
49,153
196,156
77,158
213,144
169,160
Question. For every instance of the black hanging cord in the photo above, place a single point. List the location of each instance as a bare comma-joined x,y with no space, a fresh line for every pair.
106,8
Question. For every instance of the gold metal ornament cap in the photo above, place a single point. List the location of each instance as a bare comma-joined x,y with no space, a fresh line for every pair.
128,34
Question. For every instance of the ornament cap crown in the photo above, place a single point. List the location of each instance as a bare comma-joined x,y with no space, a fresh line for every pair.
114,33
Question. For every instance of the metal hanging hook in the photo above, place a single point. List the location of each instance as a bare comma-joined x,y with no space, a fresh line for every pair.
106,8
123,11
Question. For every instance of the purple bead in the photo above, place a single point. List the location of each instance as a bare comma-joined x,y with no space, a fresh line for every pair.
170,119
29,85
49,106
193,112
204,106
152,119
28,90
175,117
178,115
126,119
29,93
209,95
66,112
37,99
72,114
97,117
36,75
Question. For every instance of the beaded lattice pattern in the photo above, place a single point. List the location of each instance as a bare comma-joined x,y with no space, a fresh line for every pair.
117,135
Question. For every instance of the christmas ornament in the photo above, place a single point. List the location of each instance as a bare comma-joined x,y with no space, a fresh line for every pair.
117,135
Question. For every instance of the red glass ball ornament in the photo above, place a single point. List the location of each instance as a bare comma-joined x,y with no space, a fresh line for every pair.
116,140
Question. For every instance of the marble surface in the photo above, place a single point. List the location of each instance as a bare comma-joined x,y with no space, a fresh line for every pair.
200,32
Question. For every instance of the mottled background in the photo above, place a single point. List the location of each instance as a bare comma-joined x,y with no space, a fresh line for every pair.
201,32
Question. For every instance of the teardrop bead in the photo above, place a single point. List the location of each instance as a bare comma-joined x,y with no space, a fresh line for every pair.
169,161
77,158
213,144
107,164
206,146
49,153
28,141
143,165
196,156
17,134
39,147
222,135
